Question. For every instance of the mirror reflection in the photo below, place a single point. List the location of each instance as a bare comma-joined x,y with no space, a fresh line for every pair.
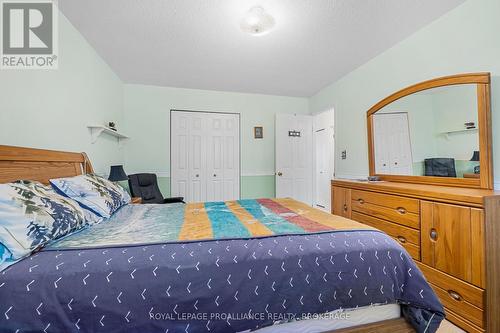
429,133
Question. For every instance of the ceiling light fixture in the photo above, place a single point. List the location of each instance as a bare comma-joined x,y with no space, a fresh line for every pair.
257,22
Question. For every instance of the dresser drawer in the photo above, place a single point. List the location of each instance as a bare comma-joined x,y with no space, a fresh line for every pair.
407,237
462,308
387,200
404,211
461,298
464,324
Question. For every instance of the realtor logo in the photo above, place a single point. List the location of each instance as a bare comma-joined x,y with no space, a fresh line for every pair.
29,35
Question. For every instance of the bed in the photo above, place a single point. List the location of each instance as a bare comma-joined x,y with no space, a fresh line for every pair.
269,264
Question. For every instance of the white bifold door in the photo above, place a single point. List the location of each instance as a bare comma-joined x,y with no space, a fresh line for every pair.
392,144
205,156
294,157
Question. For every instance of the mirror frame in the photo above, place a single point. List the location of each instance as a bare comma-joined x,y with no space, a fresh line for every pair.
482,81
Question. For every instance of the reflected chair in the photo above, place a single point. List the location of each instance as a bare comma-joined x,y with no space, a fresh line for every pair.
440,167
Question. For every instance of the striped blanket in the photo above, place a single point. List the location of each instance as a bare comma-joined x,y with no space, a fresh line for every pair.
138,224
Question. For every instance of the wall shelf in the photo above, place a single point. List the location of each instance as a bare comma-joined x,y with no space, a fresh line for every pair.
463,130
98,130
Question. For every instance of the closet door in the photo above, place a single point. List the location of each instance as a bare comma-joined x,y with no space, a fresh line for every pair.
392,144
205,156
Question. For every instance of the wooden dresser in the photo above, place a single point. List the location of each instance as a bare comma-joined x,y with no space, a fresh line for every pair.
452,233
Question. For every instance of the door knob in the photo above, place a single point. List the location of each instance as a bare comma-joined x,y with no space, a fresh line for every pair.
280,173
197,175
215,175
345,208
433,234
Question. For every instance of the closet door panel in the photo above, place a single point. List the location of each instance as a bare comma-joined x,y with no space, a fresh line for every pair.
179,158
215,158
197,158
223,157
231,157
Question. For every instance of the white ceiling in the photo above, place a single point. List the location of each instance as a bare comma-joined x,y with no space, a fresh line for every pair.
198,43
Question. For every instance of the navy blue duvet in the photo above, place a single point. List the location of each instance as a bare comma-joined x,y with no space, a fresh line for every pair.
213,286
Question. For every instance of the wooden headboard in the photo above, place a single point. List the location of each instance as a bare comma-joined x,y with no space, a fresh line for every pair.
40,165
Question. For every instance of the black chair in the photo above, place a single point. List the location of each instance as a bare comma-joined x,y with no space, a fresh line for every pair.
145,186
440,167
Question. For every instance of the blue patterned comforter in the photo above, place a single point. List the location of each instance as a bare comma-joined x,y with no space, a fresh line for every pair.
221,285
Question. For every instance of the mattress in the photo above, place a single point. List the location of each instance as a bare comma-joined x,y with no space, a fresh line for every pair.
225,266
338,319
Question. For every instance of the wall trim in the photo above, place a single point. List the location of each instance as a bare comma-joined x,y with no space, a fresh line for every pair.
256,174
164,174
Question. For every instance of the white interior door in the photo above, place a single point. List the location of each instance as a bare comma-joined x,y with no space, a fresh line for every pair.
294,157
392,144
205,156
324,145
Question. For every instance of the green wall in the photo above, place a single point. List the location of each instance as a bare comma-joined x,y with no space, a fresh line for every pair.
51,108
252,187
147,121
463,40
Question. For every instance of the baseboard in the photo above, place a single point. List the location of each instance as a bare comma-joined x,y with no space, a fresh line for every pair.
496,184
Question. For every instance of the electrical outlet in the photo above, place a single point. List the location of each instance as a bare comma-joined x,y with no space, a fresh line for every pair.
344,154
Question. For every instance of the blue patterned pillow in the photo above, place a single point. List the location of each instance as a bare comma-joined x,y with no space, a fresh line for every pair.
6,258
93,192
31,215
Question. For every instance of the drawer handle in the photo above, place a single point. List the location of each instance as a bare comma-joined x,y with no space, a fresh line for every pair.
401,210
345,208
361,201
456,296
401,239
433,234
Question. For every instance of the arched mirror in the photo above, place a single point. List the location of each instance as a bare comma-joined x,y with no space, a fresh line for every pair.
435,132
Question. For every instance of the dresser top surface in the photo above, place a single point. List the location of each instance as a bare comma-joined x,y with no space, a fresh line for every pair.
445,193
